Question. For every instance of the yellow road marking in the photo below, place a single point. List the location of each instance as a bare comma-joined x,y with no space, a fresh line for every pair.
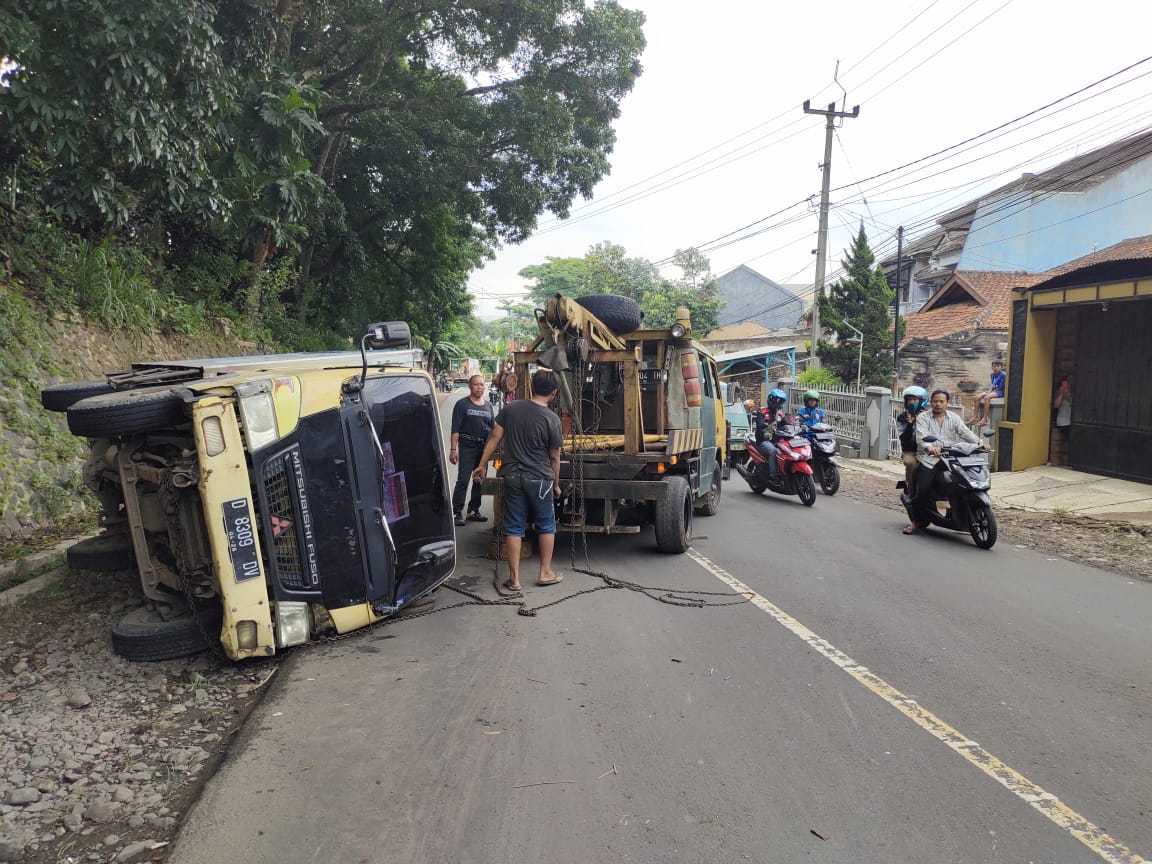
1092,836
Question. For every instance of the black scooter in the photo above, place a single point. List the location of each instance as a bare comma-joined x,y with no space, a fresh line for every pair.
824,464
960,492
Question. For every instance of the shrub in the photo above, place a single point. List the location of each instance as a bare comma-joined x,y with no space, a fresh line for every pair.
822,378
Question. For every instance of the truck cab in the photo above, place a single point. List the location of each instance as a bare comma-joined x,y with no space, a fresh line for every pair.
268,500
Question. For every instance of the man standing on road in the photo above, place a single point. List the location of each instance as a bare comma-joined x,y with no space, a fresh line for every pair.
472,419
532,437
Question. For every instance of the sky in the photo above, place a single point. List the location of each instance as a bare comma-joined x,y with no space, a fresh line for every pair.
713,143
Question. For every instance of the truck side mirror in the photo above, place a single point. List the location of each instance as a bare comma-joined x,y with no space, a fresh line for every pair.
388,334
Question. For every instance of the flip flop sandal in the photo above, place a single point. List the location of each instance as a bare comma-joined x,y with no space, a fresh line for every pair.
559,578
507,586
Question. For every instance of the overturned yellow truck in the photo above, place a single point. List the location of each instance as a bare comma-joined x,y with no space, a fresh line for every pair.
266,500
642,414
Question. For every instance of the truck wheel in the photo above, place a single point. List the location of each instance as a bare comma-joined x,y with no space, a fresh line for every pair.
710,504
674,517
618,313
143,636
104,553
61,397
126,413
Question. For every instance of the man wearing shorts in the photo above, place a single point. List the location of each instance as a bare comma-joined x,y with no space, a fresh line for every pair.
531,433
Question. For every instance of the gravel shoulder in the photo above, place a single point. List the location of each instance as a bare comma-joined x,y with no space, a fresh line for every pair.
100,758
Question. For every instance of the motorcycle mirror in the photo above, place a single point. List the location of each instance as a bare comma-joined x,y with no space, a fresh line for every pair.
988,433
929,439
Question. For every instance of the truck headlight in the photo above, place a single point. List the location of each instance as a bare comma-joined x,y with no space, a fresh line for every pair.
293,624
258,413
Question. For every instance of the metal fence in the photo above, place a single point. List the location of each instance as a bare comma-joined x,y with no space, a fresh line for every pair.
843,409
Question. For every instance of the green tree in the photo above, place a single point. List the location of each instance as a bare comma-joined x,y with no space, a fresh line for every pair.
388,147
861,298
518,323
607,269
695,289
572,277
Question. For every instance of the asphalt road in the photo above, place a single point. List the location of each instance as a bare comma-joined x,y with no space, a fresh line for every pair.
883,699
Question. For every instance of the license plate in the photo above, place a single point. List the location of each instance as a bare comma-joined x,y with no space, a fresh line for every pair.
241,539
973,461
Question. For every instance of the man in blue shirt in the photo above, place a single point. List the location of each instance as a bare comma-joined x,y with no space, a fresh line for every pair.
994,391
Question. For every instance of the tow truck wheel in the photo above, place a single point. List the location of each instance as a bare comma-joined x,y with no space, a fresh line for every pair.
61,397
144,636
674,517
710,505
104,553
126,413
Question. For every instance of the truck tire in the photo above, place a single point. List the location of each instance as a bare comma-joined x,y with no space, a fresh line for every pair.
104,553
142,636
126,413
61,397
618,313
709,505
674,517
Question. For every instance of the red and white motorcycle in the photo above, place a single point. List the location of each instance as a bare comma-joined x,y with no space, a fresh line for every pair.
794,458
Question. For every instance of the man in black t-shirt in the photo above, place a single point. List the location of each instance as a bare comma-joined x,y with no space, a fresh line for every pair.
472,420
532,436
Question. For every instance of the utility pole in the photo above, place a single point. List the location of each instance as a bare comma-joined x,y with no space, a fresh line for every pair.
896,312
822,241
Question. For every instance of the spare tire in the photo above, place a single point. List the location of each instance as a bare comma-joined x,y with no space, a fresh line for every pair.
618,313
129,412
61,397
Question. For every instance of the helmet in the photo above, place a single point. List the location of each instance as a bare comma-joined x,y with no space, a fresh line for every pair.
776,398
812,394
915,398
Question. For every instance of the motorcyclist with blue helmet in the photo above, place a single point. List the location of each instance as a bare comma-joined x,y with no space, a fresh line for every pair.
767,420
811,413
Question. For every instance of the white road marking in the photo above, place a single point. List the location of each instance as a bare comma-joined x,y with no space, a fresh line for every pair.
1092,836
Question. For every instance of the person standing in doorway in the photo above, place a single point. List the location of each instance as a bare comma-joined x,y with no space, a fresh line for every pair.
1062,420
472,422
532,437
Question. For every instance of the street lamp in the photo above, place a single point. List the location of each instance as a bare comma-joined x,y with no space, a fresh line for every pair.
859,340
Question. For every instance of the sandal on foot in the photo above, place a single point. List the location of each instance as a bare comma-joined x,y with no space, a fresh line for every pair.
508,586
911,529
558,578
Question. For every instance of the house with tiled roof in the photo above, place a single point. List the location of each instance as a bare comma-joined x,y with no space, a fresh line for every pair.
1036,222
928,262
1087,321
953,338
